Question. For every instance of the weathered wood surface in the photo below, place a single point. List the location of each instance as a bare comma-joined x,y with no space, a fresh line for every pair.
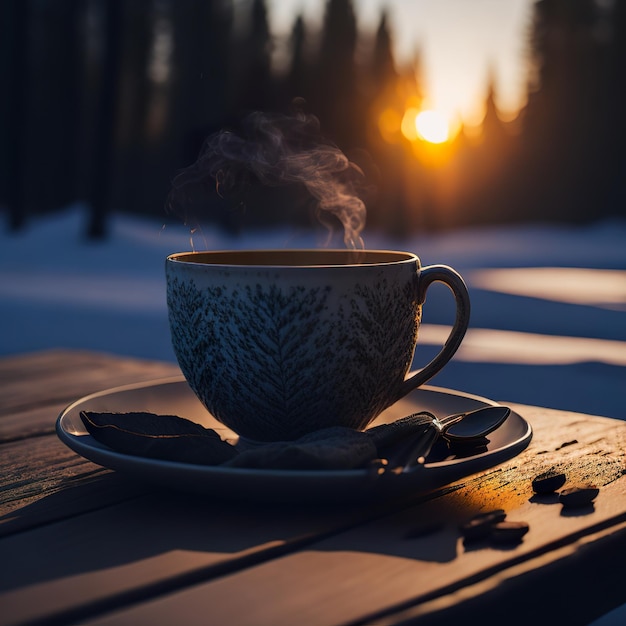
400,564
43,383
35,467
67,524
81,543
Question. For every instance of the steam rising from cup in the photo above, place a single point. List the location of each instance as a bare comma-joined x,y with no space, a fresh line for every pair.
278,150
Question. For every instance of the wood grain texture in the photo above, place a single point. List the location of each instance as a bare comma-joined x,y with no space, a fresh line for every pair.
138,549
68,525
61,376
558,587
88,545
385,566
41,480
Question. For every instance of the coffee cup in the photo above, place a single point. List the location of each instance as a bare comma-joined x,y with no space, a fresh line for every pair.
280,343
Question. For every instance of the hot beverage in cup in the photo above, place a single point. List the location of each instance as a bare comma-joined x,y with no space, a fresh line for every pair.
280,343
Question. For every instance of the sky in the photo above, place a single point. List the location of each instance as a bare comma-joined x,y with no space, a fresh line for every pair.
548,304
460,43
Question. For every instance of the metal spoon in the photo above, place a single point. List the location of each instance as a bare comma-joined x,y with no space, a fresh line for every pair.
473,424
458,428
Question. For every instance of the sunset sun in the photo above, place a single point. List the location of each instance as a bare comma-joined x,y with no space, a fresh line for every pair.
432,126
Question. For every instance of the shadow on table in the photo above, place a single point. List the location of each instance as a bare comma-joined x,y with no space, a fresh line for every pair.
114,522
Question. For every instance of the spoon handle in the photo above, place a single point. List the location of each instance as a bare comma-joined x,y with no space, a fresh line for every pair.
420,444
420,451
449,420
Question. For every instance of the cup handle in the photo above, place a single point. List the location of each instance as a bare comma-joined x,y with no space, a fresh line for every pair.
456,284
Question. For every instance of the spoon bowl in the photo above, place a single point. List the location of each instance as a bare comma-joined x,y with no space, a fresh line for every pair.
459,428
474,424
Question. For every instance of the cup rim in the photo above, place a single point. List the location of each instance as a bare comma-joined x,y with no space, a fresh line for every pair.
297,258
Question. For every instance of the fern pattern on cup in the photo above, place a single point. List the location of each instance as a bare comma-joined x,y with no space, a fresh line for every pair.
246,349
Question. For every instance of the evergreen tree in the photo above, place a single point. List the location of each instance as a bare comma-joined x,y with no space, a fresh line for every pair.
382,88
298,80
256,90
336,99
616,97
41,105
492,128
106,121
14,32
63,88
489,166
383,63
562,123
618,65
136,93
381,78
190,70
201,83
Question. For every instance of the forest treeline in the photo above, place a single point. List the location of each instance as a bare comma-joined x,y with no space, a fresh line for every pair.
105,101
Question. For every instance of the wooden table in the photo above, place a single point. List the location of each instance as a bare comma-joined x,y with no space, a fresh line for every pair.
82,544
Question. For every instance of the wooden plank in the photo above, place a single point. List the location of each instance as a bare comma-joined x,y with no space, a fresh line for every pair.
131,554
147,547
377,567
42,480
573,584
349,581
61,376
36,422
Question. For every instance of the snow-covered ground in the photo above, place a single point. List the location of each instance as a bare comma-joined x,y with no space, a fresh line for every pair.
548,322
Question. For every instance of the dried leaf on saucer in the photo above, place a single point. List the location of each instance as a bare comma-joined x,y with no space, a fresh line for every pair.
390,438
334,448
173,438
165,437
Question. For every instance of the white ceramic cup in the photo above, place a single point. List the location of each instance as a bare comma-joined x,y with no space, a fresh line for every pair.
279,343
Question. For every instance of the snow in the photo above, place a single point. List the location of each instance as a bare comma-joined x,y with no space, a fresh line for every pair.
548,323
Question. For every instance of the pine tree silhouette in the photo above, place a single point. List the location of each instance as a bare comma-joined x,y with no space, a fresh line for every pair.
616,120
298,79
336,98
106,122
492,127
14,29
136,93
562,132
256,91
383,63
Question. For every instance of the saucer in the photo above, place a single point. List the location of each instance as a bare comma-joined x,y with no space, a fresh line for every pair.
174,397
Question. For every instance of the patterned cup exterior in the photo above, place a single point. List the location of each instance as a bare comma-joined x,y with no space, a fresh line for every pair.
277,352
